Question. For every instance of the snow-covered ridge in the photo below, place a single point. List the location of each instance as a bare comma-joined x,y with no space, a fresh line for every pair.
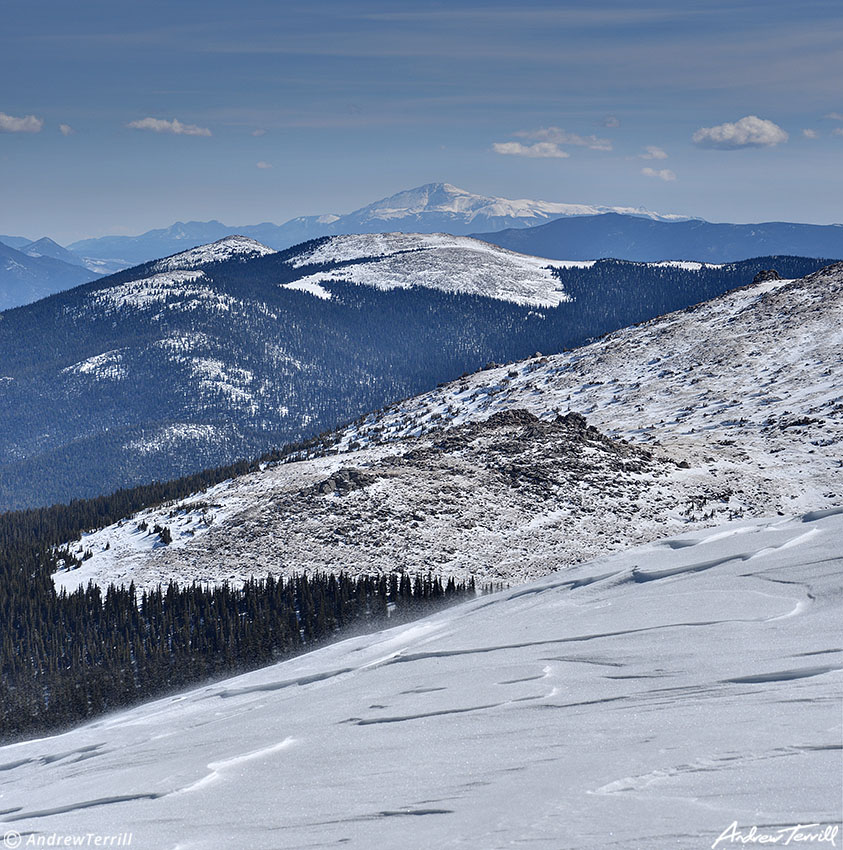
644,700
156,290
754,374
436,261
689,266
214,252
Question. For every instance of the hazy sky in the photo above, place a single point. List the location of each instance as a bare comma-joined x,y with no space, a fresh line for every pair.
116,117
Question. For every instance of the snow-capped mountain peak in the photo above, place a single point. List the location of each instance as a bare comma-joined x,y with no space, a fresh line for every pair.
447,199
215,252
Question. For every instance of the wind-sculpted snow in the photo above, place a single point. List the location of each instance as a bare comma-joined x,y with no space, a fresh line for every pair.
436,261
585,710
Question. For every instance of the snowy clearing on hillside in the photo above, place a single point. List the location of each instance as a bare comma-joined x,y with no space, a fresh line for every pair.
169,435
306,285
645,700
437,261
105,366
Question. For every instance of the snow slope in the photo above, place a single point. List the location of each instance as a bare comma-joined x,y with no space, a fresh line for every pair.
752,378
645,700
436,261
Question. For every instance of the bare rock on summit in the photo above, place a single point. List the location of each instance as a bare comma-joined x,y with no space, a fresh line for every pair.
765,275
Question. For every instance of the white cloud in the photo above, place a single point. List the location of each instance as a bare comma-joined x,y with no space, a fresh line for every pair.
558,136
27,124
809,134
263,164
540,150
835,116
652,152
662,174
159,125
66,130
750,132
259,132
611,121
837,131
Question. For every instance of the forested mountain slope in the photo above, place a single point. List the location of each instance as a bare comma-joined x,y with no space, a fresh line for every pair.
225,351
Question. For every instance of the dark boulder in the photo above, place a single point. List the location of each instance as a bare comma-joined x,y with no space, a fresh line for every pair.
344,481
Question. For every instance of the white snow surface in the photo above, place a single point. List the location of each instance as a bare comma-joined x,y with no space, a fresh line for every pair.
437,261
310,286
214,252
645,700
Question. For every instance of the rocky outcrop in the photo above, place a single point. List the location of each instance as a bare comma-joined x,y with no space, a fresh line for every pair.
345,481
766,275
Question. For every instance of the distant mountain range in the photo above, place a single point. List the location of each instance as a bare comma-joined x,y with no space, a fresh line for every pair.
635,238
15,241
540,228
25,277
432,208
229,350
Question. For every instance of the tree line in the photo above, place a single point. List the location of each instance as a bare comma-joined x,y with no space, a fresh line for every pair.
67,657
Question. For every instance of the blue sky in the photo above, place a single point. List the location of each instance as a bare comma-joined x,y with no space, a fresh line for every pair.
288,109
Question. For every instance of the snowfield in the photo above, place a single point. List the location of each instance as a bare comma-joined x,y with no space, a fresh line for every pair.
648,699
436,261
